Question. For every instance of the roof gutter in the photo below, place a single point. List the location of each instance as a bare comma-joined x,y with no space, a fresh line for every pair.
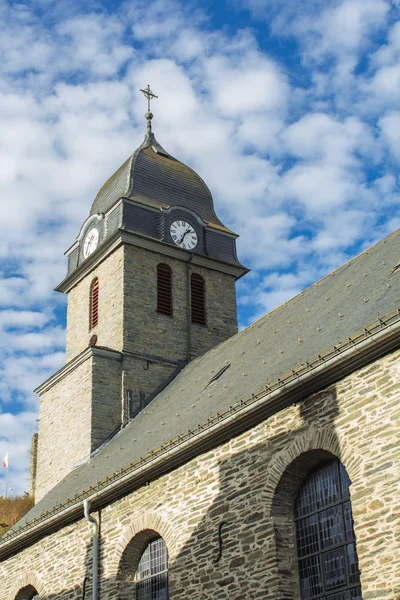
242,417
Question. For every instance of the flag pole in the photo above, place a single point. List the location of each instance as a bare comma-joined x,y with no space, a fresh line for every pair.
5,465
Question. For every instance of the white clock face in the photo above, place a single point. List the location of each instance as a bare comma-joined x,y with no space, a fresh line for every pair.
91,242
183,235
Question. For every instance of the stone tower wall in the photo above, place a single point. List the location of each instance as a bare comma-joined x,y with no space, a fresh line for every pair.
246,483
140,379
109,331
147,331
33,466
128,317
89,402
106,399
76,415
64,427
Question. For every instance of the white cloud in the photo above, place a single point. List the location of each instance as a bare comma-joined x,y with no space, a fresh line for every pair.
320,136
251,84
390,128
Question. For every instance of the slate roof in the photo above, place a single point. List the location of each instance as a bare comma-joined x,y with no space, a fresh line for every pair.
154,178
334,308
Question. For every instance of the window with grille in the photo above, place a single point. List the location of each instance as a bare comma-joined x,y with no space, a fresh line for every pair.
152,572
94,304
164,289
198,299
326,545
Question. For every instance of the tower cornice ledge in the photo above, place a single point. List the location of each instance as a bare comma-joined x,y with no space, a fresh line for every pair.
141,241
91,351
98,351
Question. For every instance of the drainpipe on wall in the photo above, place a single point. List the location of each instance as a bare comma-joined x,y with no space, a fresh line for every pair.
95,550
188,310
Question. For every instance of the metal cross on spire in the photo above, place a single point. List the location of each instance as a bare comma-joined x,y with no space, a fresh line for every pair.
149,115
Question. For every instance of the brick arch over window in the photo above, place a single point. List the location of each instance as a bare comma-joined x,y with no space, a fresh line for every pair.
147,522
130,565
133,552
94,304
322,443
164,289
27,586
27,593
198,299
286,478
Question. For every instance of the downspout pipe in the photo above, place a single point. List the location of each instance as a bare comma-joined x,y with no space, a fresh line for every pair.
95,549
188,311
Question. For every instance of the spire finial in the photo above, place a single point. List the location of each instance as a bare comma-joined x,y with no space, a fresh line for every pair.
149,115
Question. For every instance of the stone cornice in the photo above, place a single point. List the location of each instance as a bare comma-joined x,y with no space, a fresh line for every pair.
91,351
141,241
101,351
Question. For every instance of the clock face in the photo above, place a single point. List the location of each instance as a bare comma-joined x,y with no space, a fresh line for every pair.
91,242
183,235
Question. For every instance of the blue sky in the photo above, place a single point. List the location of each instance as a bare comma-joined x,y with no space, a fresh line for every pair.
290,111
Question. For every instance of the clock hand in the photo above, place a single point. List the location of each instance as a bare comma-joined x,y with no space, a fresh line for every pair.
181,240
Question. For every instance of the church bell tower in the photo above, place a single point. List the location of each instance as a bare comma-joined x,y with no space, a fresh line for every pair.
151,286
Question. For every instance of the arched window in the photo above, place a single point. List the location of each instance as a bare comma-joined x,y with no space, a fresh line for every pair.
152,572
94,304
326,545
198,299
27,593
164,289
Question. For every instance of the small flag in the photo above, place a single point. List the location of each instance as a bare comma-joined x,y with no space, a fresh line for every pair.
5,461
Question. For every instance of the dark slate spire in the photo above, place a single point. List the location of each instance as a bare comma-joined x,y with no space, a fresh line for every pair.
152,177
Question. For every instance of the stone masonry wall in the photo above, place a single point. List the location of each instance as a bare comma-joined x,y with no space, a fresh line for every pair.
220,310
128,315
144,328
106,413
33,465
141,377
76,415
244,483
64,427
109,330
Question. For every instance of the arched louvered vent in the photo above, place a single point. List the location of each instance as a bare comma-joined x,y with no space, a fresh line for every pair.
94,304
198,299
164,289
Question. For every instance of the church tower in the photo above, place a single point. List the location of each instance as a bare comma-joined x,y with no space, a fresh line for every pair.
150,285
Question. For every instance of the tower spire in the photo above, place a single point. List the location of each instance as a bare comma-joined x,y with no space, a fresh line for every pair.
149,115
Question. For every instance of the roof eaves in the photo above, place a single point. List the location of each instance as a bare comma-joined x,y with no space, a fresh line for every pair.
384,333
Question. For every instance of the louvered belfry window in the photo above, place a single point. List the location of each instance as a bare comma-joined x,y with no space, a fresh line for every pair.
94,303
326,544
198,299
164,289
